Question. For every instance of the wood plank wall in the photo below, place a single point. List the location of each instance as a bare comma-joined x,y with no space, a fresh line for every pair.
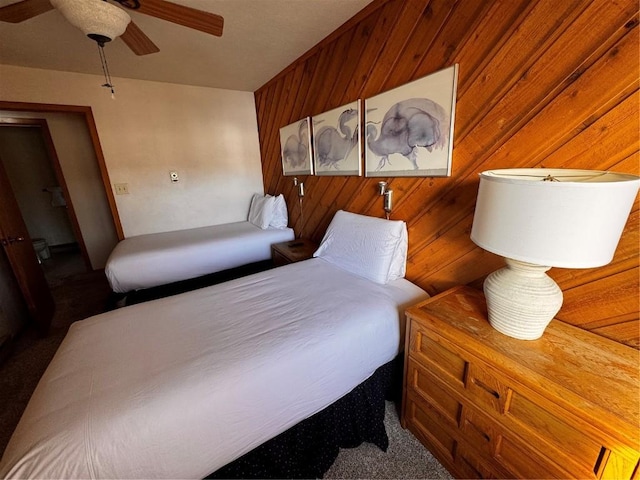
542,83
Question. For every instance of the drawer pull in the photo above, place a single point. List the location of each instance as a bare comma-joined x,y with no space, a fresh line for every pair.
479,430
486,387
473,469
601,461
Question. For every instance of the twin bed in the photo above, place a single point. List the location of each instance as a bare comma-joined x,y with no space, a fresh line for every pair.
182,386
147,261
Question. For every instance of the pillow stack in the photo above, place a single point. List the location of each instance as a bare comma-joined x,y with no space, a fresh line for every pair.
280,217
267,211
369,247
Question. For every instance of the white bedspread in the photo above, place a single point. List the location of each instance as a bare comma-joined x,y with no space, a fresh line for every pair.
146,261
179,387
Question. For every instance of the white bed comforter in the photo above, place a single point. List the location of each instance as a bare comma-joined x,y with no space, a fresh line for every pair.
179,387
146,261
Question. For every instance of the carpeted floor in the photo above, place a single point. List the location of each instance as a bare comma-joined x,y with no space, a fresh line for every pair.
80,295
405,457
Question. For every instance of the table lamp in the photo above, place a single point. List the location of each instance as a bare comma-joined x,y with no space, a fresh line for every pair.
540,218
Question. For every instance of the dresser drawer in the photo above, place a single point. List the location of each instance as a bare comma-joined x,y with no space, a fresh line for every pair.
426,385
551,433
434,430
480,431
516,457
485,388
506,450
472,465
434,353
558,435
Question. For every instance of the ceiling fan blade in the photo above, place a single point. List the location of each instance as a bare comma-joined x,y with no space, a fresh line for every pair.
189,17
21,11
137,41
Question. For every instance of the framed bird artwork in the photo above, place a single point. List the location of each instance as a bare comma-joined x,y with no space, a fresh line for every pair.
295,143
408,130
336,141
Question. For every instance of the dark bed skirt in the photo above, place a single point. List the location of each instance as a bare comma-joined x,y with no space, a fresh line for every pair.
153,293
308,449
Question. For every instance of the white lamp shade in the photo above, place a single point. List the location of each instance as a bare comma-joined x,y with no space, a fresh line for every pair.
573,222
94,17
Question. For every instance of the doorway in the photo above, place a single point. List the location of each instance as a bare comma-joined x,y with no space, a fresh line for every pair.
38,184
97,227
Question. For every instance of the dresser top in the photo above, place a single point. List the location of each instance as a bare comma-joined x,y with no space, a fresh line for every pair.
585,369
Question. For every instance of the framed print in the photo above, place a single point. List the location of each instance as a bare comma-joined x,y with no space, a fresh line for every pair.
295,142
336,141
409,130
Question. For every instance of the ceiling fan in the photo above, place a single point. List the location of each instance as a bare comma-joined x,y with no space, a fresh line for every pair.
133,37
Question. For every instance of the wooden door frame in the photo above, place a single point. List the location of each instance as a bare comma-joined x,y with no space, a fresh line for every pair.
23,262
54,161
87,113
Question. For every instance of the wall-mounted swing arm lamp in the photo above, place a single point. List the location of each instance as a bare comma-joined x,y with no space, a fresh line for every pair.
387,201
539,218
300,186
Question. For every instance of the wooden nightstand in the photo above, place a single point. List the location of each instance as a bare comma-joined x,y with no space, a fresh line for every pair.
293,251
491,406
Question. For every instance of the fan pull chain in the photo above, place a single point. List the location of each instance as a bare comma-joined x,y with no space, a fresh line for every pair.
105,70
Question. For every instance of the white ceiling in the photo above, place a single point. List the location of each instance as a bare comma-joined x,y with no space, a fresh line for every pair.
260,38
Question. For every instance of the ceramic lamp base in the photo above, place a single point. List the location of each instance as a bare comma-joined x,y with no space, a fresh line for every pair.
521,299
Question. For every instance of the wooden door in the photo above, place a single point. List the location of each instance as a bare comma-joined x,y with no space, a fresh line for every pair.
17,245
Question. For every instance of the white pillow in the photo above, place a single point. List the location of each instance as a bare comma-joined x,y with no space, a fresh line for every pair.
398,267
370,247
261,210
280,217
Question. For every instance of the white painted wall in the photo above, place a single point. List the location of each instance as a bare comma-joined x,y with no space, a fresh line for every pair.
79,165
209,136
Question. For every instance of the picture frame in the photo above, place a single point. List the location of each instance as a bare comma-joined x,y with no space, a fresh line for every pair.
336,141
296,148
408,130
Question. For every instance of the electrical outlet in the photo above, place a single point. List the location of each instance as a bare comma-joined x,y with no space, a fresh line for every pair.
121,188
174,176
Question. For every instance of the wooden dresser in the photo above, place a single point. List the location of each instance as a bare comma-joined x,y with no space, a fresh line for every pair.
487,405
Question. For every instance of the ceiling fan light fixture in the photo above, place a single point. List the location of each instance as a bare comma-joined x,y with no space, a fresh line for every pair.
97,19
